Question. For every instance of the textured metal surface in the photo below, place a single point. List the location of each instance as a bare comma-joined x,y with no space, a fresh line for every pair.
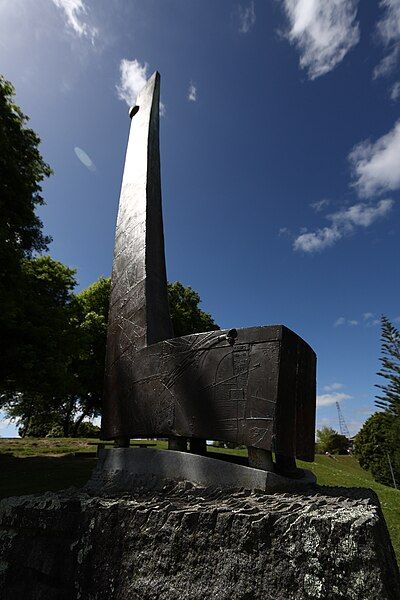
256,392
256,389
139,313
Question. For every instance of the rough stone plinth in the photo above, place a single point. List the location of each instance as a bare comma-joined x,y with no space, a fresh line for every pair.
186,542
122,469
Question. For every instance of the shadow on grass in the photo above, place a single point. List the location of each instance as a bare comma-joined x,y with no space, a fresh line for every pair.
38,474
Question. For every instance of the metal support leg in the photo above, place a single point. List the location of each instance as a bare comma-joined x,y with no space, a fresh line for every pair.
198,446
177,443
286,466
260,459
121,442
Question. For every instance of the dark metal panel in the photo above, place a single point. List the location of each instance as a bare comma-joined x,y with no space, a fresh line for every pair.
305,403
200,386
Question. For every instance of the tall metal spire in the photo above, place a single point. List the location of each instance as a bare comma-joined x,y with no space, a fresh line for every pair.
139,314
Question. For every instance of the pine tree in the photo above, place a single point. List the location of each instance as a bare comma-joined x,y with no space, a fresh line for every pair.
390,369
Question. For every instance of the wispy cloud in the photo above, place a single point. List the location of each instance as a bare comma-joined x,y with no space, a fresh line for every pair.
192,93
387,65
343,321
343,223
388,28
368,319
84,158
395,91
367,316
339,321
315,241
320,205
323,30
361,215
376,165
247,17
329,399
333,387
133,78
74,13
284,231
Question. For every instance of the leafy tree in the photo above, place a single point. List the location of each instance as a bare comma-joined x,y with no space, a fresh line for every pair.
390,370
39,379
88,364
22,170
187,317
88,430
329,440
376,442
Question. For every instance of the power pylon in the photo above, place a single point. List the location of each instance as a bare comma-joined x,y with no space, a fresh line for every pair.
342,423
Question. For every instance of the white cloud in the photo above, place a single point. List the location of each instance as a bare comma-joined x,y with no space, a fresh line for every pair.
323,30
192,93
316,241
333,387
369,320
343,321
339,321
74,10
376,165
134,76
320,204
361,215
247,17
343,222
395,91
329,399
388,28
387,65
367,316
284,231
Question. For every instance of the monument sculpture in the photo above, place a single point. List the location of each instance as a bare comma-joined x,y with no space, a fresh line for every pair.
186,525
253,386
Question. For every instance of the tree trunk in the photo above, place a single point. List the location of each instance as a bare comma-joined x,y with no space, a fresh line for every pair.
77,423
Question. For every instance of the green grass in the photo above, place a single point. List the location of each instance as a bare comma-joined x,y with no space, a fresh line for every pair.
37,465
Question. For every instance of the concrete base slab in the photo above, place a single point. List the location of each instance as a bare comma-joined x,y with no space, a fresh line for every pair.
123,469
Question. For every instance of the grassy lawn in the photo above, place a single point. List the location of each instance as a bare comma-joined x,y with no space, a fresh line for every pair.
36,465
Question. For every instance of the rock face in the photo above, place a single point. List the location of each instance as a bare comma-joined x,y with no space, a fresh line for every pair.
187,542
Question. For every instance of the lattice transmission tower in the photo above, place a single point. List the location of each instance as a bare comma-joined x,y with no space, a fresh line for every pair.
344,430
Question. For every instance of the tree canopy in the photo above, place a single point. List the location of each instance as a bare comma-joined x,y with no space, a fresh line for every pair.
377,442
390,368
187,317
329,440
22,169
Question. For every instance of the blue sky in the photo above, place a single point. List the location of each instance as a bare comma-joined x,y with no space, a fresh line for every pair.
280,141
